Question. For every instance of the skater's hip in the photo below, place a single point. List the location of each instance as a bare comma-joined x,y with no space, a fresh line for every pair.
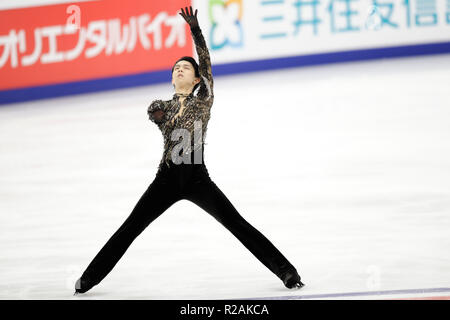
183,177
172,169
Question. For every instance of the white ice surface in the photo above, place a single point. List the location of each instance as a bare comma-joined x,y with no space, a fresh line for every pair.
345,168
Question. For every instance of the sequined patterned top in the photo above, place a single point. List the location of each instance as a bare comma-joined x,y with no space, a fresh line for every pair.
191,124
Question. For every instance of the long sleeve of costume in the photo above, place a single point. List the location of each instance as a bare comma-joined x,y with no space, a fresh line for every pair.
206,91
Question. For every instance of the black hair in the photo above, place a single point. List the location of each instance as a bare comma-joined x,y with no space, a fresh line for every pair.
194,64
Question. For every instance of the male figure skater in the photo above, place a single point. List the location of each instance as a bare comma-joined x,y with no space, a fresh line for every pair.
182,173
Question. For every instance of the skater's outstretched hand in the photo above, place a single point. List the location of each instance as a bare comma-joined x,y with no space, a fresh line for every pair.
190,18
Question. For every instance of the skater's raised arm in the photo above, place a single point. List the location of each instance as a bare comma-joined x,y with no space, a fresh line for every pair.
206,87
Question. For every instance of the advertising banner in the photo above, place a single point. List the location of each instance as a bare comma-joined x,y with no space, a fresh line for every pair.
249,30
53,48
87,40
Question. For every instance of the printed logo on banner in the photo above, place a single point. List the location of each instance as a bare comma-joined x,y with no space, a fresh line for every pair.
343,16
90,40
226,27
447,15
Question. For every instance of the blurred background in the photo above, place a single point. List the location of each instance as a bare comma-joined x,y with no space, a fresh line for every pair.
329,133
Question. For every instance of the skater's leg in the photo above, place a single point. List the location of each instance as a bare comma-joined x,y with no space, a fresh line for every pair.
207,195
156,199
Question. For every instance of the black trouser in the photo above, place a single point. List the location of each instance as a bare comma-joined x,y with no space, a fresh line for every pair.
171,184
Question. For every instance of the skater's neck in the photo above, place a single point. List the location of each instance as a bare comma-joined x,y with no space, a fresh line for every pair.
183,90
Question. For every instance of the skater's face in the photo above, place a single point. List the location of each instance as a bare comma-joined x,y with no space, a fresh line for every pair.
183,75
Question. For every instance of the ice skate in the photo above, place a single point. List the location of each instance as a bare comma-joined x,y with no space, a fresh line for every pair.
291,280
82,286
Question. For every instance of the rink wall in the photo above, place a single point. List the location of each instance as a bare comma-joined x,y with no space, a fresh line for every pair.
61,48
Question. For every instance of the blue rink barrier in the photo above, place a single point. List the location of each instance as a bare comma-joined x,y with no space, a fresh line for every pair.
148,78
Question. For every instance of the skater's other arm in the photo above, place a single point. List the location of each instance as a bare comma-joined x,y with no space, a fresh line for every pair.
156,112
205,91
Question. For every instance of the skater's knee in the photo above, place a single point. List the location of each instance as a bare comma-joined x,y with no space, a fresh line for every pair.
233,221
